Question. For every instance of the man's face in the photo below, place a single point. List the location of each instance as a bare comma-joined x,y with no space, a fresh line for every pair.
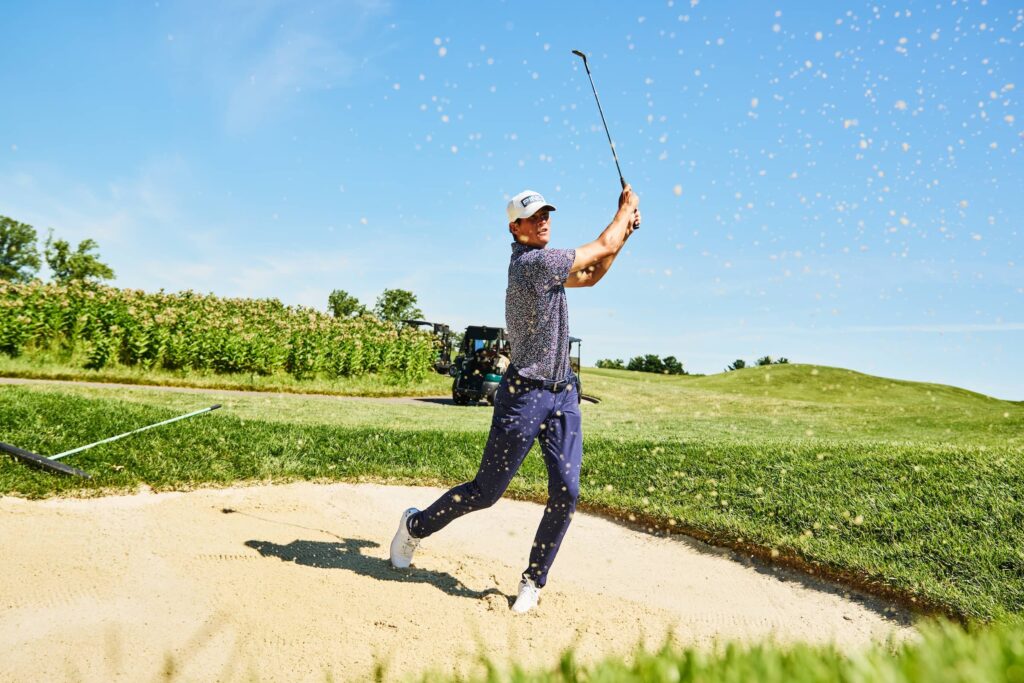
533,231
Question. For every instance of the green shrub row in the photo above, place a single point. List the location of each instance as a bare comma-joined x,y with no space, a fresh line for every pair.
100,326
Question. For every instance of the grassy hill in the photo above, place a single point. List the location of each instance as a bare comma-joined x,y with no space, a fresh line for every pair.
797,401
835,385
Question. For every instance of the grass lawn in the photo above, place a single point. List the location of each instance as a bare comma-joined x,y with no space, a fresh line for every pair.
895,485
43,366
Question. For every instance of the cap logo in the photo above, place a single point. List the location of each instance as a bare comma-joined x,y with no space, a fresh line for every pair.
530,199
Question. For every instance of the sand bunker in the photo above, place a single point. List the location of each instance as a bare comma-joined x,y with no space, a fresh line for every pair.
295,585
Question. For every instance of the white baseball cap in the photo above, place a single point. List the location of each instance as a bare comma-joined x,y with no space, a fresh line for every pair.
525,204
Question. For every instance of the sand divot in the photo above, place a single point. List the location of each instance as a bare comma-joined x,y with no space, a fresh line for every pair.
290,582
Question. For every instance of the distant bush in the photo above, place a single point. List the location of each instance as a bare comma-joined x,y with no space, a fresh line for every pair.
396,305
341,304
671,366
616,364
767,360
668,365
739,363
19,257
83,264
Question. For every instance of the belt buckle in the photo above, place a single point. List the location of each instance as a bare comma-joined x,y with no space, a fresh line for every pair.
559,386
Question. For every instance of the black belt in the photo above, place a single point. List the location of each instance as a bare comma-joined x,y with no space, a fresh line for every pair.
548,384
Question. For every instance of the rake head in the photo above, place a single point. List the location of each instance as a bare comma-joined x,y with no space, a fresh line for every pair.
42,462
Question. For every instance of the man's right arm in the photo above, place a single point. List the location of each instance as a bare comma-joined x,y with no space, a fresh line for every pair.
603,250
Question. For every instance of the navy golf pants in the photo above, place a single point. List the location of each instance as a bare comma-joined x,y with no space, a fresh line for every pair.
522,414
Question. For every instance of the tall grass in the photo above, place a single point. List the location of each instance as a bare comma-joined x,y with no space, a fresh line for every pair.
96,327
945,653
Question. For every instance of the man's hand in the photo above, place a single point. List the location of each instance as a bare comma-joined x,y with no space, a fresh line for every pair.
628,199
629,204
634,225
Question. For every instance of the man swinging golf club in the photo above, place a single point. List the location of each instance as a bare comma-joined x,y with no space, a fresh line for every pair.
539,394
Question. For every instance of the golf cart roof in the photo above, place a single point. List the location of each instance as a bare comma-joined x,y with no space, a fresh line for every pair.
438,327
573,340
484,332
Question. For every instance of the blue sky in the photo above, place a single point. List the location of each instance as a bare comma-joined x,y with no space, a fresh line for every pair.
839,184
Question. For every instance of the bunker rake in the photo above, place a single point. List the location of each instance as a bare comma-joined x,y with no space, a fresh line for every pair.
53,464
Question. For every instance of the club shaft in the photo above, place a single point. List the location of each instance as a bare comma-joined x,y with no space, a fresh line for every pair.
134,431
605,123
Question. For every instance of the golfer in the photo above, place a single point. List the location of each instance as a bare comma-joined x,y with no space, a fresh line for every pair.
539,394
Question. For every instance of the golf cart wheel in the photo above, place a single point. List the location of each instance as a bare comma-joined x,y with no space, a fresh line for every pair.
460,398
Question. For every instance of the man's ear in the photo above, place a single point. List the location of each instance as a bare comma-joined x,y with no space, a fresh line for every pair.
512,227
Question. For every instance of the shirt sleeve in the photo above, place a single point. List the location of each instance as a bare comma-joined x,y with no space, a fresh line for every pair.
550,267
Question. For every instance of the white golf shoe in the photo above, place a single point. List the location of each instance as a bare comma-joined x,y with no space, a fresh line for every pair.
403,545
529,596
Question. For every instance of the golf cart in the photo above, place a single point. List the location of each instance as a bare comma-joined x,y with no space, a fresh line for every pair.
442,341
483,358
574,361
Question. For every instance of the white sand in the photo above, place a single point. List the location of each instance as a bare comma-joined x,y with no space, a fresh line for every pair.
296,584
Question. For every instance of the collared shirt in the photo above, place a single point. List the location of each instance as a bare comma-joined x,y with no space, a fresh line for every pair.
536,313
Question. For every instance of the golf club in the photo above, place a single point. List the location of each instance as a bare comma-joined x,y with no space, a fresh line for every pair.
51,464
636,226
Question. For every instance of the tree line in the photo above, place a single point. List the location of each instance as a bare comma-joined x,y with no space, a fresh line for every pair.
669,365
739,363
393,306
20,260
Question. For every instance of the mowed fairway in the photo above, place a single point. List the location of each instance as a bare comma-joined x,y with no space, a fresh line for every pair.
902,488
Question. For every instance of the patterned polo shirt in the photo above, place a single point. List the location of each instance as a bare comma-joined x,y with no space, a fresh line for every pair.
536,313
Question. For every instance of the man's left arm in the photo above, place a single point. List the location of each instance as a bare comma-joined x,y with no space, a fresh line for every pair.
591,275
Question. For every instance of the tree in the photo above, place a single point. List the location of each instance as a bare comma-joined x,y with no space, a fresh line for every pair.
19,258
737,364
68,266
672,366
396,305
767,360
341,304
669,365
646,363
616,364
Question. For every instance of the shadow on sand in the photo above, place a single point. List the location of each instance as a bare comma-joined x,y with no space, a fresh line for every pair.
347,554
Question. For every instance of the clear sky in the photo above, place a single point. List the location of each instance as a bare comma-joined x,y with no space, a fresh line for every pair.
836,183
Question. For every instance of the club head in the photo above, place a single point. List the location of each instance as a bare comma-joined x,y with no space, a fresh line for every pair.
580,54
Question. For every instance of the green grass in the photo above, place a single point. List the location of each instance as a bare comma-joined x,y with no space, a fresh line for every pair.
903,506
732,407
945,654
44,367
